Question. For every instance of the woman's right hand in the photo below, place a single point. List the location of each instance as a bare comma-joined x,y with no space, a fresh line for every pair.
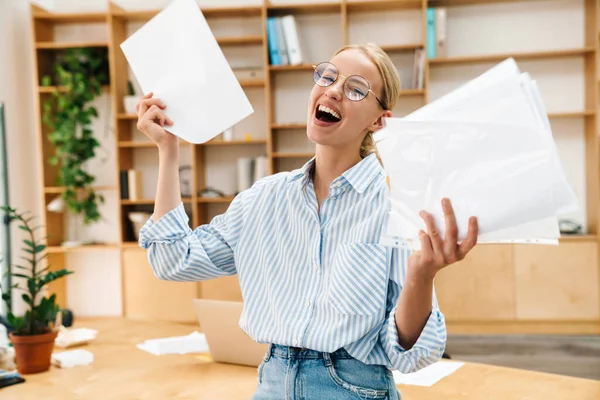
152,119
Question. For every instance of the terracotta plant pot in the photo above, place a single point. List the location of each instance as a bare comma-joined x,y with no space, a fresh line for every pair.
33,352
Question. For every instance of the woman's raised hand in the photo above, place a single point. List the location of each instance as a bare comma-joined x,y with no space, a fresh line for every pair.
438,252
152,120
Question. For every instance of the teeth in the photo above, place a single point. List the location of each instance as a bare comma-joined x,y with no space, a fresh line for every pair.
329,110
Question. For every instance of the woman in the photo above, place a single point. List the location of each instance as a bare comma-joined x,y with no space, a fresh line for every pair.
338,309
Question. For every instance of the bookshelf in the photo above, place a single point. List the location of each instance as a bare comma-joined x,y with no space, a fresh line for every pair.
487,292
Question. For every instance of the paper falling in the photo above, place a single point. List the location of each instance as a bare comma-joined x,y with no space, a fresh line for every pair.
428,375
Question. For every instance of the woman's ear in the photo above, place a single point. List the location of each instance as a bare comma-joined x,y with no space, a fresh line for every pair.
378,124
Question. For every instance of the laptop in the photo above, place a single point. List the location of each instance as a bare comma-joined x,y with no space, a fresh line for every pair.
227,342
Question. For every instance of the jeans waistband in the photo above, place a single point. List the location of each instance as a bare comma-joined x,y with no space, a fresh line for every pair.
301,353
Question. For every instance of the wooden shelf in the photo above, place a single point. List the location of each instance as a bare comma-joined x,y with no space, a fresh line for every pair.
578,238
293,155
539,55
383,5
142,202
145,144
215,200
571,114
240,41
68,45
130,245
451,3
306,8
288,126
70,18
85,247
247,83
412,92
208,12
283,68
127,116
52,89
390,48
60,189
235,142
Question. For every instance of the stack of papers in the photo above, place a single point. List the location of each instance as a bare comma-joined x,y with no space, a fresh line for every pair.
488,147
72,358
192,343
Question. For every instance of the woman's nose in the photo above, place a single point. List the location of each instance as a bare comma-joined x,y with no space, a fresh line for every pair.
336,91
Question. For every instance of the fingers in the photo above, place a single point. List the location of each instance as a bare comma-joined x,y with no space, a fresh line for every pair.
471,239
144,104
451,236
153,115
144,97
426,248
435,238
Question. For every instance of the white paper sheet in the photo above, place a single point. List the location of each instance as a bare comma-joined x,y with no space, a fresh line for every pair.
501,95
500,173
429,375
176,56
192,343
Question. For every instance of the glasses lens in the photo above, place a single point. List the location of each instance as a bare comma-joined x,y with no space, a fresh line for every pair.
325,74
356,88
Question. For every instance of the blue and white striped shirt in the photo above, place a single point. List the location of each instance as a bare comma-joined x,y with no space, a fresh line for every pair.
318,280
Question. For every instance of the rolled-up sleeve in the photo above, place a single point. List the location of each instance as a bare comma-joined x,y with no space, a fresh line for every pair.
431,343
178,253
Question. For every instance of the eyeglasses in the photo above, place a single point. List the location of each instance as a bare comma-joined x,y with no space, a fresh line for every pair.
356,87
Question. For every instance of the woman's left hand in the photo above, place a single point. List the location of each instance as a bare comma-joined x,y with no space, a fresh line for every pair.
436,253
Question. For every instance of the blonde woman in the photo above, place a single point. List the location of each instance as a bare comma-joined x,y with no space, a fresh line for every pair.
339,310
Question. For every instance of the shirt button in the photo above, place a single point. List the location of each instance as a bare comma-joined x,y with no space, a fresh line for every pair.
308,304
316,266
338,184
295,342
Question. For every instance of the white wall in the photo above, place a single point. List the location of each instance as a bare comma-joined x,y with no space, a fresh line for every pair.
16,90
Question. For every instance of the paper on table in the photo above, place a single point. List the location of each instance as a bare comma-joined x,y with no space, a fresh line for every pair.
195,342
428,375
176,56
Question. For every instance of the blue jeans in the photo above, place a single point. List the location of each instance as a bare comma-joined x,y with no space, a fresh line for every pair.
290,373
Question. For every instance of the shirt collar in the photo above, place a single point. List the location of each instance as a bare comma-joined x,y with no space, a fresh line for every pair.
359,176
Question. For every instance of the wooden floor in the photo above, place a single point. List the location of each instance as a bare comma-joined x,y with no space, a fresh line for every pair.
566,355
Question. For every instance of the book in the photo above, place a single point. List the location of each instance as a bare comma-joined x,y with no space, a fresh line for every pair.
134,184
292,40
281,43
440,32
431,47
272,41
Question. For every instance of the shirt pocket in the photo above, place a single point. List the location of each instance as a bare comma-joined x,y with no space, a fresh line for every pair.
359,278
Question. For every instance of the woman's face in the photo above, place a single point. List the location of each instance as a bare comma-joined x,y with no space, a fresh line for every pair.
351,120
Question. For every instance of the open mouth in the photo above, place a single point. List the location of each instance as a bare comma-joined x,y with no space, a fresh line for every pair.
327,115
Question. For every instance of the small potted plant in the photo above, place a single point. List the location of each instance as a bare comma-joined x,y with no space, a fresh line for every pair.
33,333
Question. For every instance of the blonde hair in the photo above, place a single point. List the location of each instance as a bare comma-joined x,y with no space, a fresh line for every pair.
390,91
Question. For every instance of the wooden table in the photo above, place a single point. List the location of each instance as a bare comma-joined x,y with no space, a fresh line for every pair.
121,371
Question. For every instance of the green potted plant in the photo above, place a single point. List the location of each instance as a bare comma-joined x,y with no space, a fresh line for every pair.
78,77
33,333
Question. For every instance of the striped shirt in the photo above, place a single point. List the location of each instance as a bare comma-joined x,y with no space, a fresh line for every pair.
309,278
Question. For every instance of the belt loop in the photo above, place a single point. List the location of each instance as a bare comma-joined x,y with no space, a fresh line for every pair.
327,359
269,352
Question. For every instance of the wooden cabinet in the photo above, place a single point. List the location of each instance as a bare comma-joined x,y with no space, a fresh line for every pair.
480,287
557,282
146,297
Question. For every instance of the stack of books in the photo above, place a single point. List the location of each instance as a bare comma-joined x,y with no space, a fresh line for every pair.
436,32
283,40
